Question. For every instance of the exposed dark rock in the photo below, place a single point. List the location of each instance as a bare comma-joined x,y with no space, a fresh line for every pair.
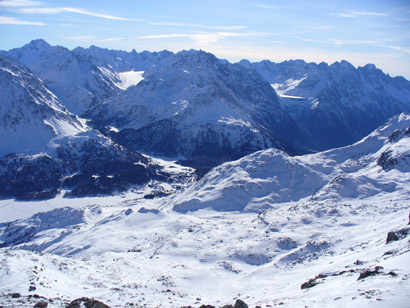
156,194
207,306
228,266
343,272
370,272
15,295
32,288
386,161
240,304
227,306
396,135
87,302
397,235
41,305
312,282
393,274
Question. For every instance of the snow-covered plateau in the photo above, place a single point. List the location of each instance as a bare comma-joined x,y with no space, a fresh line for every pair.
320,230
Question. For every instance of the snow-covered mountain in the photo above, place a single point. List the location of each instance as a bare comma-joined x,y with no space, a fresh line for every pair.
44,148
335,105
269,177
124,69
77,82
191,106
255,229
200,108
203,110
122,61
31,115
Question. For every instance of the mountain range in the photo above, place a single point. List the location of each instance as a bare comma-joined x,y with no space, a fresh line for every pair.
160,179
203,111
45,149
338,104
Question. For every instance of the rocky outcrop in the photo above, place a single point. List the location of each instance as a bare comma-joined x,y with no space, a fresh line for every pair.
397,235
87,302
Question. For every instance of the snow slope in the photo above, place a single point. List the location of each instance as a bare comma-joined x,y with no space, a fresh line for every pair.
31,114
326,246
272,176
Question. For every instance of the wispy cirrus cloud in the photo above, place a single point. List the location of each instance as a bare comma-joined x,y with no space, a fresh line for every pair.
202,38
14,21
93,38
400,48
339,42
356,14
59,10
80,37
264,6
111,39
381,44
181,24
18,3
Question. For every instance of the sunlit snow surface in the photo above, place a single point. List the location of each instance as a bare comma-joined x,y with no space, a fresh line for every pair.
186,249
129,79
123,80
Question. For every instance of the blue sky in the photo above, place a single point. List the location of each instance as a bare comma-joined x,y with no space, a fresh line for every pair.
368,31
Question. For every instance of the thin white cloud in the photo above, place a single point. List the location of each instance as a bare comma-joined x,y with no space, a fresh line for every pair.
111,39
356,14
18,3
264,6
203,38
399,48
59,10
339,42
84,12
94,38
80,37
160,36
14,21
181,24
313,28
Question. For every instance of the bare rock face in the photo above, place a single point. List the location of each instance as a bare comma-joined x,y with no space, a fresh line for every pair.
41,304
240,304
397,235
87,302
